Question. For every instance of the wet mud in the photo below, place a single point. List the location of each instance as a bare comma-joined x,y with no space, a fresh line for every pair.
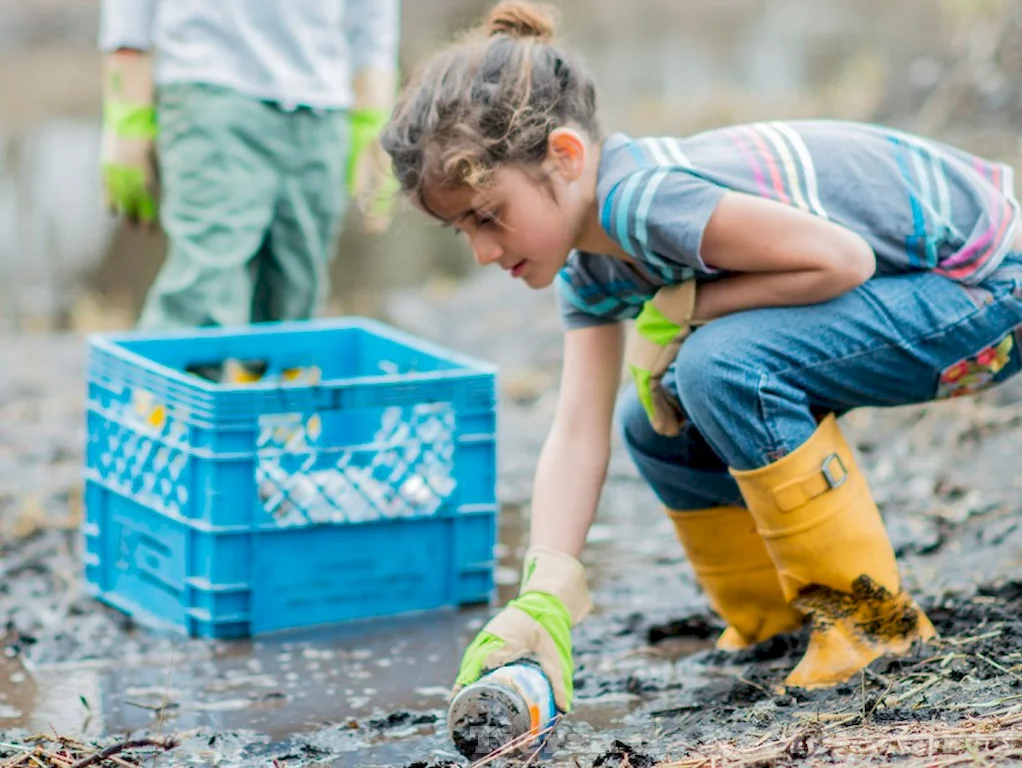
651,689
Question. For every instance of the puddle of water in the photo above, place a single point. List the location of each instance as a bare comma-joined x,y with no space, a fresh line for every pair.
277,684
378,687
49,699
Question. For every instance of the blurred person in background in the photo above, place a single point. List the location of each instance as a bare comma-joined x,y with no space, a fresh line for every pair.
244,126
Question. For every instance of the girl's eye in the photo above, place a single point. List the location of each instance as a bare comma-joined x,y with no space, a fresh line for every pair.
487,219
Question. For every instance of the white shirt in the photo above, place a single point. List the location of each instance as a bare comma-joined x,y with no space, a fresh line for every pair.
296,52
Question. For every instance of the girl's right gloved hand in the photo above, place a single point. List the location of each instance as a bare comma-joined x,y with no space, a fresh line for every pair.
537,624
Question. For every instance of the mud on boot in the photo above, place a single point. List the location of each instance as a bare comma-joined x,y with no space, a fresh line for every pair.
833,556
850,630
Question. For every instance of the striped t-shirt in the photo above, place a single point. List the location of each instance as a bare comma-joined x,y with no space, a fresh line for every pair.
920,204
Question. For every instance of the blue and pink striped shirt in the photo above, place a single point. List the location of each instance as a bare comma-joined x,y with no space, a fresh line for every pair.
920,204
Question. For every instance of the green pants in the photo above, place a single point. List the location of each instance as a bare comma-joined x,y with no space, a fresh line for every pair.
252,199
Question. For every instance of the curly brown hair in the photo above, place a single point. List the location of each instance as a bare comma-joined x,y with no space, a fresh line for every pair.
491,99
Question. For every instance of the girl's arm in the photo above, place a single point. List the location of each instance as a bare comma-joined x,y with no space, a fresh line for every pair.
573,463
784,257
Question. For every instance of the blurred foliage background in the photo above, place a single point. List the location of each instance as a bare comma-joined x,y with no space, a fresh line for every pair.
951,69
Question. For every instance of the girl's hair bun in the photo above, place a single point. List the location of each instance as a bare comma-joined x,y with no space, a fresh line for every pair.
521,19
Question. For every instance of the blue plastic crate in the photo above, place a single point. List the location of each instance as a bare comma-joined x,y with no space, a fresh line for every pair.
365,487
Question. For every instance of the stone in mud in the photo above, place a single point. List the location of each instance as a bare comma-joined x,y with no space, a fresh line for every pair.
621,755
734,693
697,627
402,718
772,649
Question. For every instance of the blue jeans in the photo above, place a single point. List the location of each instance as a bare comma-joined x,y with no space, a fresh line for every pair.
754,384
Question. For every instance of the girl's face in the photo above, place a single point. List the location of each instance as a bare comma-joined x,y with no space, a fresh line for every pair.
525,225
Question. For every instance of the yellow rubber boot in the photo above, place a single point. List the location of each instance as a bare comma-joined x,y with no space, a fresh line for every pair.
735,570
835,561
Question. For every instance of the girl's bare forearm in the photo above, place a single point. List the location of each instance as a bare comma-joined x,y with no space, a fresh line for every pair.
569,478
766,289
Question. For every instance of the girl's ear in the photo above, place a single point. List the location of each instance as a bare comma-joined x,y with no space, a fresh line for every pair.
567,152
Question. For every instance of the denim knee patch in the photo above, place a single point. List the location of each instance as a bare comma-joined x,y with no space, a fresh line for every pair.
984,369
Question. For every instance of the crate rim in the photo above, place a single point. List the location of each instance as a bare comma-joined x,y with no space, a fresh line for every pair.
112,343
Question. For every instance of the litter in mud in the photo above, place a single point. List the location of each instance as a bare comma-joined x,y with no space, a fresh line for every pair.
510,705
622,755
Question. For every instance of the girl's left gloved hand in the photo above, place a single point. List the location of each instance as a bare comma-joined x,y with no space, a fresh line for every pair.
128,154
535,625
660,329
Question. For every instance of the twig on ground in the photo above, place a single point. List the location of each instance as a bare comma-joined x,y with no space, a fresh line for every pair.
113,749
995,665
45,751
515,744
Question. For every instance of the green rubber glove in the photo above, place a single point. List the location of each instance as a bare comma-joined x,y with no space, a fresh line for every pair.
369,178
660,329
536,625
128,164
365,125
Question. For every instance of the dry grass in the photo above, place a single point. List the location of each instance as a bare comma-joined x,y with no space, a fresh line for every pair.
45,751
986,740
521,743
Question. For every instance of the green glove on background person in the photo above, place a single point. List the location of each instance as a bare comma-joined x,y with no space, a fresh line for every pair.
536,625
128,155
370,180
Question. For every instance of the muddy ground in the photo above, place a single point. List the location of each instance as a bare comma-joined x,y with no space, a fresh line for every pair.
650,688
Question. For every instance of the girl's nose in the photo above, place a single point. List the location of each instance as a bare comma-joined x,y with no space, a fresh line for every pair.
486,250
